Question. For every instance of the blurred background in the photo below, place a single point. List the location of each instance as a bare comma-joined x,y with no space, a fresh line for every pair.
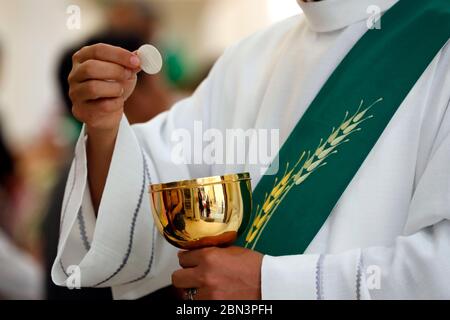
37,131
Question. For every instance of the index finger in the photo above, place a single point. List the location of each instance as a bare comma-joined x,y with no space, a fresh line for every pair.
109,53
188,259
193,258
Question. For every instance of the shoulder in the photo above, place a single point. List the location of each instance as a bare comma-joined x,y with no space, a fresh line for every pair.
259,46
245,62
269,36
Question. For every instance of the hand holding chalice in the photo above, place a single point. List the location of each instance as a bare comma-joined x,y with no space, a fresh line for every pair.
205,212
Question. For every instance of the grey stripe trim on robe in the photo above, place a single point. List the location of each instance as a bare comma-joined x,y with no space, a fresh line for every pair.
132,228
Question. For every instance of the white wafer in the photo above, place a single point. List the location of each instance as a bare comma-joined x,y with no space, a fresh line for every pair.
151,60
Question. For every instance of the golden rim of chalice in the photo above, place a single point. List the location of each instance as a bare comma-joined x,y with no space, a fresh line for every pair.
210,211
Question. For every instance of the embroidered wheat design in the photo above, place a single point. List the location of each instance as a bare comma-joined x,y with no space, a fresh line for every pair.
307,164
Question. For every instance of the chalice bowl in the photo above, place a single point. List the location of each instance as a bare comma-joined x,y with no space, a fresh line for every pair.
198,213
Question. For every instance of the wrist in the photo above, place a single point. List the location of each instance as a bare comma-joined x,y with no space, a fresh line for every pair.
101,138
99,151
292,277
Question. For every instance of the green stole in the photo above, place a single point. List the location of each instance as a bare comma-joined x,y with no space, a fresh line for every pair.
341,126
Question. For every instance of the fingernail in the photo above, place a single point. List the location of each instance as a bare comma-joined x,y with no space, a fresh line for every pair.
128,74
134,60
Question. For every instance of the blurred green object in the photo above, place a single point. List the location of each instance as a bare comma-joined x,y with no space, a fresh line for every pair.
174,68
71,128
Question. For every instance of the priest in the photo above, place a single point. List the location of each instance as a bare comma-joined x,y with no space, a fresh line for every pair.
359,207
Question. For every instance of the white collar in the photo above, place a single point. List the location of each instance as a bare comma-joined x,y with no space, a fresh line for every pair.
330,15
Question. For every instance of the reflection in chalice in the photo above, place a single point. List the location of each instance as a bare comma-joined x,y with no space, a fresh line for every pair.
203,212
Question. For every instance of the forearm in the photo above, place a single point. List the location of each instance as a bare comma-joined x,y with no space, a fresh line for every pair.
100,148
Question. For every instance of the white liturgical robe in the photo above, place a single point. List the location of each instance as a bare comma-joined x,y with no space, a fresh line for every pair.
388,236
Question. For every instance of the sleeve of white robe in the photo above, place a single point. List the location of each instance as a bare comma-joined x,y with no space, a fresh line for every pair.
125,252
417,266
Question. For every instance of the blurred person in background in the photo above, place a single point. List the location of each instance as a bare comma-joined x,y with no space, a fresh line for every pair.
132,16
20,275
130,25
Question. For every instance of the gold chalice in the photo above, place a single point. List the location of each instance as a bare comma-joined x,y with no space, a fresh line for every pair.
202,212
